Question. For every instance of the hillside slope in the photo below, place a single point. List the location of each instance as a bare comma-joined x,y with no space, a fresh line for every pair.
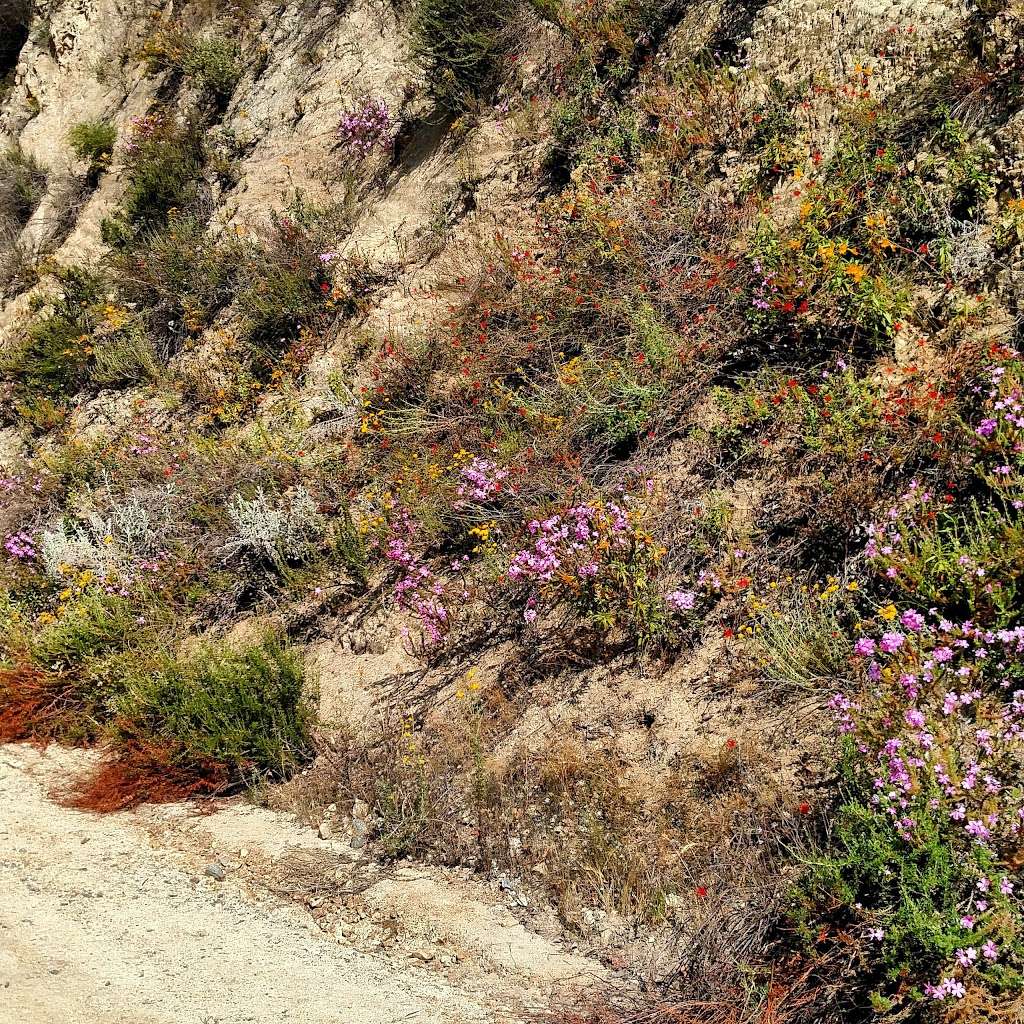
584,435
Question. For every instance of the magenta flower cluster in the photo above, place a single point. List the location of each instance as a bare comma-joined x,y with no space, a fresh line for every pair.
482,480
999,436
888,538
681,600
20,484
368,127
142,445
20,546
567,537
938,731
565,549
144,130
420,591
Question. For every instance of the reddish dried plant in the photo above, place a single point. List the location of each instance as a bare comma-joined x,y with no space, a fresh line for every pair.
33,704
143,773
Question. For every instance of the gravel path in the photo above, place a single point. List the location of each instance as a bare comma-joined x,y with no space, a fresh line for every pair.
97,924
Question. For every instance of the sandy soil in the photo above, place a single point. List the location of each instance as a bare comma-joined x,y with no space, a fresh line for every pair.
113,920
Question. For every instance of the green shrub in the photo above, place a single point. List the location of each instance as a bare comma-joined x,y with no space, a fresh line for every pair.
966,560
178,274
93,627
282,282
53,359
460,44
87,650
918,889
79,341
22,186
164,162
123,356
211,63
93,141
247,710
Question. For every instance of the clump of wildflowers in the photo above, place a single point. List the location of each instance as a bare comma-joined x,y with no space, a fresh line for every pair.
936,741
568,537
599,558
964,557
20,546
419,590
482,480
999,434
368,127
145,130
681,601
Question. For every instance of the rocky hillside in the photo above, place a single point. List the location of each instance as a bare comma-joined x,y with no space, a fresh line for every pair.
576,442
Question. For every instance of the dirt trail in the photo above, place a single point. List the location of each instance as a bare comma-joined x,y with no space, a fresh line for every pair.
100,923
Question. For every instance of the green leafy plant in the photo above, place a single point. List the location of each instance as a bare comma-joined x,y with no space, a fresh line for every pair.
52,360
460,45
93,141
22,185
79,341
210,62
247,710
163,164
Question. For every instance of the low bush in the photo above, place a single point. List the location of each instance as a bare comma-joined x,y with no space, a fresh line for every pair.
211,63
247,711
284,282
460,45
93,141
62,679
19,267
52,361
37,706
275,532
143,773
163,165
79,342
22,186
179,275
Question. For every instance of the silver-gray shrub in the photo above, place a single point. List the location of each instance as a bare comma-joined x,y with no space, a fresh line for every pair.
103,544
274,530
